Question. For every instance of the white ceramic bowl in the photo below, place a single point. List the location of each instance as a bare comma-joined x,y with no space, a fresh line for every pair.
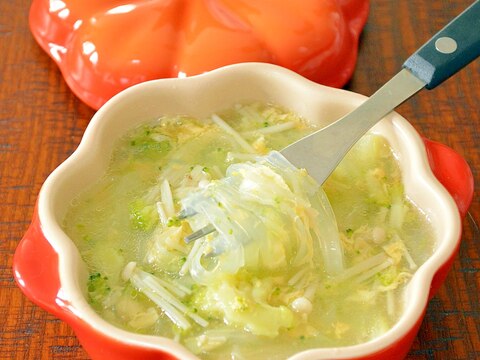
199,96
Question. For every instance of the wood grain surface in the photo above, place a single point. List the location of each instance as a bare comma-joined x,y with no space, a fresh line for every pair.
41,123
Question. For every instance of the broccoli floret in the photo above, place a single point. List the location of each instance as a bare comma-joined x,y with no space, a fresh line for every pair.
97,287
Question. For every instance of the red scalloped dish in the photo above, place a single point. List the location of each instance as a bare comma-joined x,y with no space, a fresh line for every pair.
103,47
48,267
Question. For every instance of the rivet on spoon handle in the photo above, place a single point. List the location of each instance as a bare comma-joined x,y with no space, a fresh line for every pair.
452,48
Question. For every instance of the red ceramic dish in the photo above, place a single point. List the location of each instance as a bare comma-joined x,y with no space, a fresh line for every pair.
49,270
103,47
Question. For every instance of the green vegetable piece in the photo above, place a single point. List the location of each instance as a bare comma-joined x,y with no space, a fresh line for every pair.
142,216
97,287
87,238
145,146
174,221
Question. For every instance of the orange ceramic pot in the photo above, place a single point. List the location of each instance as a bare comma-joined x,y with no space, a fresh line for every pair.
103,47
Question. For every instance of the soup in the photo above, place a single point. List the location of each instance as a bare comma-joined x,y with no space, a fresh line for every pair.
286,265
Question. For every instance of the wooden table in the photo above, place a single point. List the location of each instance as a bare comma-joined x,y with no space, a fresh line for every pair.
41,123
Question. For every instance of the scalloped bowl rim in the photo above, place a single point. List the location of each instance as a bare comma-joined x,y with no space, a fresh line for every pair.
254,80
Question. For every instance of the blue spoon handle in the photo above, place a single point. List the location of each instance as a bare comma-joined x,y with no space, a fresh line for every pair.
452,48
